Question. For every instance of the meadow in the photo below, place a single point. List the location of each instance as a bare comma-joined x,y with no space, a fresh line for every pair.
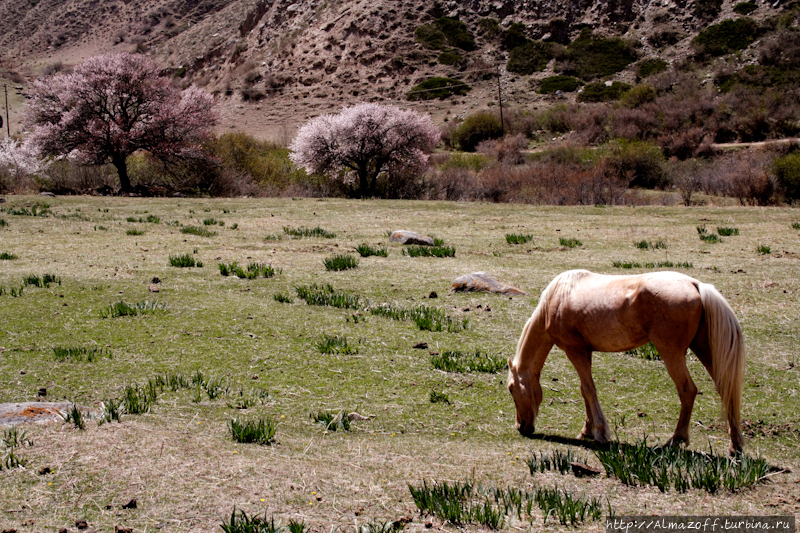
137,305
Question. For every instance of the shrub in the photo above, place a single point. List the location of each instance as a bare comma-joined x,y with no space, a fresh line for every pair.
640,162
787,171
451,59
514,36
601,92
590,56
651,65
259,431
551,84
529,58
639,95
340,262
184,261
438,87
477,128
745,8
506,151
726,37
707,9
445,30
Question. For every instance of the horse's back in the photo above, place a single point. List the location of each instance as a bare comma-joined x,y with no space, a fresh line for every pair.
614,313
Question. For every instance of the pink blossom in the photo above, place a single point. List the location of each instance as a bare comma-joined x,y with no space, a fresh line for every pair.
114,105
364,141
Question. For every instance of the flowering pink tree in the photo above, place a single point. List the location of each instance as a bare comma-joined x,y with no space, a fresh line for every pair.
21,159
363,141
114,105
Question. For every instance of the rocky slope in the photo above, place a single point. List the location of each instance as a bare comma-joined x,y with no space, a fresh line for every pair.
273,63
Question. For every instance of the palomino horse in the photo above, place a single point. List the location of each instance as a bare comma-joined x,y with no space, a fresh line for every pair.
581,312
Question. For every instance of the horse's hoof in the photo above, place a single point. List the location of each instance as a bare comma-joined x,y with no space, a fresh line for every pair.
675,442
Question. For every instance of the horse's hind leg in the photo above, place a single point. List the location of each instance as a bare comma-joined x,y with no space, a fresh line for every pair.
596,425
675,361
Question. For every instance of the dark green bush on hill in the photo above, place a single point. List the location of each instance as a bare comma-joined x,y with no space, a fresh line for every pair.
445,31
551,84
641,161
477,128
489,28
451,59
651,65
600,92
591,56
707,9
726,37
529,58
437,88
745,8
514,36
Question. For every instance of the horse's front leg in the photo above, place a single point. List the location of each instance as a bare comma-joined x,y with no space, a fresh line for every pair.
596,425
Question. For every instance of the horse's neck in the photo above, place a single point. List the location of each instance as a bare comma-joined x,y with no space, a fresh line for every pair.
534,344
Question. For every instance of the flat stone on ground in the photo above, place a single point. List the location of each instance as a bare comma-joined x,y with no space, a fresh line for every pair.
410,237
483,282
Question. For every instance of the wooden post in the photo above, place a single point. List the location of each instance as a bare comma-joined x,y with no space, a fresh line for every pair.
8,122
500,100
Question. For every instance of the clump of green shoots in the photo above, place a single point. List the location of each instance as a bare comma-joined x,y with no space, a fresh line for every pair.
340,262
134,232
79,353
253,270
308,232
679,469
332,421
648,352
426,318
461,362
7,256
365,250
710,238
326,295
648,245
430,251
75,416
282,298
43,282
727,232
569,242
552,460
198,230
121,308
255,431
514,238
11,439
764,249
335,344
184,261
439,397
242,523
213,222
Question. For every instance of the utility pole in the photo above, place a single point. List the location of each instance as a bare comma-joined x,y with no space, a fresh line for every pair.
500,100
8,122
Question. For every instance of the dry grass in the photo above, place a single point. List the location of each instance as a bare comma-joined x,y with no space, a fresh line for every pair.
186,473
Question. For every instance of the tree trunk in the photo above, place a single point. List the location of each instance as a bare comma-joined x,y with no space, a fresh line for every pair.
120,162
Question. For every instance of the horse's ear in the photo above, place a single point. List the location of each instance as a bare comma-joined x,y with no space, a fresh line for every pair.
510,367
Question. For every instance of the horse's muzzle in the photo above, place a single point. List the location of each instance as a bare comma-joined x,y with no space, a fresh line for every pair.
526,430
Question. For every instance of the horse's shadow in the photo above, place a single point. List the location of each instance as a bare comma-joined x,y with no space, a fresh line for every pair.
559,439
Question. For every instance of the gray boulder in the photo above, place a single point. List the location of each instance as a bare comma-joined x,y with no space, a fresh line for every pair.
410,237
483,282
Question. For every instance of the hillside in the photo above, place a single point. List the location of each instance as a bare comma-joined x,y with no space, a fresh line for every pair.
274,63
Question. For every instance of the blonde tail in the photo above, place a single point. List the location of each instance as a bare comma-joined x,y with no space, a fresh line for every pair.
727,355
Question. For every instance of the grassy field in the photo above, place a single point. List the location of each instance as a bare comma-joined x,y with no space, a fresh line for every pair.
186,472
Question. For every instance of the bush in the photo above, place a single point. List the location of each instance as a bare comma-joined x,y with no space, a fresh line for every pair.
651,65
707,9
787,172
438,87
640,162
445,31
507,151
591,56
745,8
529,58
514,36
451,59
639,95
726,37
600,92
477,128
551,84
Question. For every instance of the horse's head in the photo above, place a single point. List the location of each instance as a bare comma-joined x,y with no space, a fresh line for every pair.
522,390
